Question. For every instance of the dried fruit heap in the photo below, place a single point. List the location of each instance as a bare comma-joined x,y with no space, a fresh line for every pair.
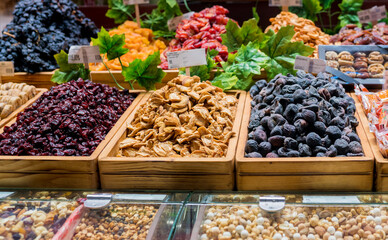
139,41
302,116
185,118
353,35
69,120
202,30
305,30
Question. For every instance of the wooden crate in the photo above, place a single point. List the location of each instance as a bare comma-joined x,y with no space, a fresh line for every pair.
39,92
57,171
39,80
169,173
303,173
381,163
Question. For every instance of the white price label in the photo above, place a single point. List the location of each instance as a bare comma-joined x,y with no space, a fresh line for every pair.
279,3
310,65
331,199
141,197
7,69
133,2
174,22
84,54
188,58
373,14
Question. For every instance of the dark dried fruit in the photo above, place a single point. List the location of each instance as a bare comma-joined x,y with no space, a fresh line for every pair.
342,146
289,130
251,146
331,151
272,155
290,143
333,132
308,115
355,147
277,141
304,150
320,128
259,135
293,153
264,148
313,140
299,95
253,155
276,131
353,137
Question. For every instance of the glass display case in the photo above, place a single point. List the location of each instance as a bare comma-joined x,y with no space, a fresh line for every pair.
289,216
88,215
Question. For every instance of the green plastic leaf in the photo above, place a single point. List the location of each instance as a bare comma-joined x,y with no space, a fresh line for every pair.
276,41
255,14
326,4
112,46
235,36
66,71
226,81
146,72
119,12
349,9
313,8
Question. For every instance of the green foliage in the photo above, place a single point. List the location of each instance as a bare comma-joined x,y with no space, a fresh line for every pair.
235,37
146,72
119,12
349,9
310,9
66,71
112,46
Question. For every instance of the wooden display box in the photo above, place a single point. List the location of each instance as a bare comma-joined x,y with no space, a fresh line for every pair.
303,173
169,173
57,171
39,80
381,177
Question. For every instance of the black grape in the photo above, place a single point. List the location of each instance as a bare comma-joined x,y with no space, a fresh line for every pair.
40,29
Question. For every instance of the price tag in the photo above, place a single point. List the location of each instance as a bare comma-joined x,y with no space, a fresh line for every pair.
140,197
331,199
84,54
188,58
373,14
279,3
174,22
5,194
133,2
7,69
309,64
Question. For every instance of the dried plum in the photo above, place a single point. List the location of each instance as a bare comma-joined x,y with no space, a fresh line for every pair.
313,139
272,155
251,146
303,116
253,155
355,147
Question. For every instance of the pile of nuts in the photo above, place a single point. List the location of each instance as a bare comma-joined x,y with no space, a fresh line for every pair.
13,95
185,118
358,64
33,220
298,223
305,30
116,222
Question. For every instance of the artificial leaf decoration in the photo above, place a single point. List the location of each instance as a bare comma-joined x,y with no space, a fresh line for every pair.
326,4
225,81
112,46
66,71
349,9
255,14
146,72
310,9
235,36
119,11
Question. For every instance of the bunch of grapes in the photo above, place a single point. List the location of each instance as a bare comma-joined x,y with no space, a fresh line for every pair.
40,29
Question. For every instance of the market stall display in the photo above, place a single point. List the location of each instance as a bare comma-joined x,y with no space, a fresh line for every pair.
181,136
41,29
353,35
305,30
139,41
202,30
300,140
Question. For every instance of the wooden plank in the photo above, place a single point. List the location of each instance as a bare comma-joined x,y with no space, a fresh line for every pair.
110,164
63,164
39,80
167,182
341,183
39,92
48,180
327,165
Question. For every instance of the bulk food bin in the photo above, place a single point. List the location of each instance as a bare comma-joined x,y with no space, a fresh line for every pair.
249,216
124,216
32,218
